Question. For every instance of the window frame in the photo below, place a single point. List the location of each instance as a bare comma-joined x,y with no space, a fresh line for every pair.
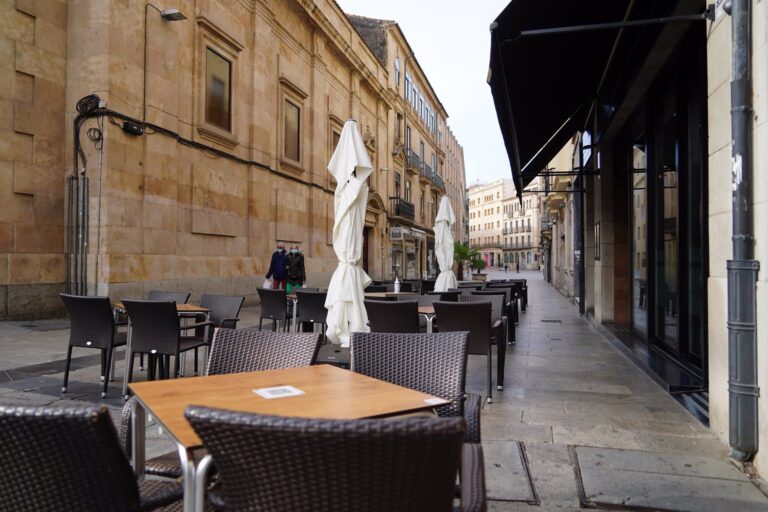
291,93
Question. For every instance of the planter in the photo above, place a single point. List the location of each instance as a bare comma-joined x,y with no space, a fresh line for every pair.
479,277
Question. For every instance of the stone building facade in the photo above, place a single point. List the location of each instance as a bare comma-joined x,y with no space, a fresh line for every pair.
487,218
522,228
244,102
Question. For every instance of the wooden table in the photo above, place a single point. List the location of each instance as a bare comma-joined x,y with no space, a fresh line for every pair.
182,310
429,314
388,295
329,392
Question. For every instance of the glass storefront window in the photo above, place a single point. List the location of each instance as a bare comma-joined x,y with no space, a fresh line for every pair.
639,240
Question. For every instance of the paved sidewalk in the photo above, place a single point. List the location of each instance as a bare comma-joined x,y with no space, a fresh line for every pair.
566,387
576,423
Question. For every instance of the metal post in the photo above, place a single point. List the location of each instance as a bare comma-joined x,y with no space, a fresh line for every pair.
742,269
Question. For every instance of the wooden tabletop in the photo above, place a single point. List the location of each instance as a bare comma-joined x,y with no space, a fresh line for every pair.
181,308
426,310
384,295
330,392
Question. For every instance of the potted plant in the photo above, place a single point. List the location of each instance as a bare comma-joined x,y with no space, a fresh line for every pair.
478,265
464,256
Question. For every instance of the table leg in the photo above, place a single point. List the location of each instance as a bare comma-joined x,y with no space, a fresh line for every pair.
138,424
295,307
128,355
188,478
205,348
201,479
429,319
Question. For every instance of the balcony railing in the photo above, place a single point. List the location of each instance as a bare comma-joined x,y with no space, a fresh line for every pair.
486,245
518,245
414,161
438,181
401,208
505,231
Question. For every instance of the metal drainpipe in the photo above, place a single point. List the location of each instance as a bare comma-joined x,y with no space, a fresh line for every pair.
742,269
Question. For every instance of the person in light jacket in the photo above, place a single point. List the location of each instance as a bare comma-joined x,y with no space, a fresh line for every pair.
294,267
277,267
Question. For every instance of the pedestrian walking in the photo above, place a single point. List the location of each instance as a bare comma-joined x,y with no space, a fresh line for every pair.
294,267
277,267
517,265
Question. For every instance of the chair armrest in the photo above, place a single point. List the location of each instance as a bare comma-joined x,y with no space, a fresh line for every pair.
230,323
473,495
472,406
195,325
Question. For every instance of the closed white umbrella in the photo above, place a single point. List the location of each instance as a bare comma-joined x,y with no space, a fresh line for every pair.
350,165
444,246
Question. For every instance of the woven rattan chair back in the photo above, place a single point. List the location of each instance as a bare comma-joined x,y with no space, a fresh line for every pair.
447,296
423,300
474,317
496,300
474,286
154,326
311,464
273,305
177,297
376,288
506,292
308,289
311,306
250,350
431,363
222,308
63,459
91,321
427,285
393,316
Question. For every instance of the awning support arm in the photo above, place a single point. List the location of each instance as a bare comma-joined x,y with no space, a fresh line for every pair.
708,14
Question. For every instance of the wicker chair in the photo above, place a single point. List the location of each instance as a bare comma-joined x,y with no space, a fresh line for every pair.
509,311
92,325
393,316
499,328
427,285
512,297
223,311
312,310
431,363
70,459
447,296
273,307
177,297
249,350
286,464
233,351
376,288
474,317
156,331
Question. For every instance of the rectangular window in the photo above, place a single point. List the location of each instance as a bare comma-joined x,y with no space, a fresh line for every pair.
218,89
407,87
292,132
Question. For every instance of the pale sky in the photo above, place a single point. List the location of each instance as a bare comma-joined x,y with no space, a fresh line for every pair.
451,40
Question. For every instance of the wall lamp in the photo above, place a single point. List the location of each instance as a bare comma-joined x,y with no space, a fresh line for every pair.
172,15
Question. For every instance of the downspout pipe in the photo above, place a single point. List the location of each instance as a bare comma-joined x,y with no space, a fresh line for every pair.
743,391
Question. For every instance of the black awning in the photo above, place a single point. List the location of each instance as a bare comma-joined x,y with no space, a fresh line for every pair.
544,85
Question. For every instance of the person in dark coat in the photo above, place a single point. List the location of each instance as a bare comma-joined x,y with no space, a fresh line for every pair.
294,267
277,267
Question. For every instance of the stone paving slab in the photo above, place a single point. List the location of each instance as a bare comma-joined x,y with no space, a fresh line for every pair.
507,473
656,481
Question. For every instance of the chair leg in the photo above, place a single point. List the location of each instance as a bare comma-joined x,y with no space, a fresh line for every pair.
130,357
490,376
195,361
260,320
152,364
141,362
66,369
106,369
501,353
103,362
175,366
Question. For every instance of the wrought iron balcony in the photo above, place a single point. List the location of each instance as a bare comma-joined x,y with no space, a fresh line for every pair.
401,208
438,181
414,162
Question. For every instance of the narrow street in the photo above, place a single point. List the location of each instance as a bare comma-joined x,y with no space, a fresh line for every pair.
579,407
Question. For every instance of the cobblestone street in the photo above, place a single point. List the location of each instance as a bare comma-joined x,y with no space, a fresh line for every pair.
567,388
